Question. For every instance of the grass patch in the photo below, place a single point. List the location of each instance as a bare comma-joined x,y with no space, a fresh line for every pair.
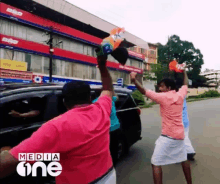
199,99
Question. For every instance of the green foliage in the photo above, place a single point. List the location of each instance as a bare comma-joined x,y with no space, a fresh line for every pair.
138,97
210,93
184,51
158,71
206,94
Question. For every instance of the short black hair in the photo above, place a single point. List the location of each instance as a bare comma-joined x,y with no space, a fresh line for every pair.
168,83
76,92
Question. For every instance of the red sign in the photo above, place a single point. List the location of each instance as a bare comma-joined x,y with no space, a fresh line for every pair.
135,54
26,16
14,74
40,48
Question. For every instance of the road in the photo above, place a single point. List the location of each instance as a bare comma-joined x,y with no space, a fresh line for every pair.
204,133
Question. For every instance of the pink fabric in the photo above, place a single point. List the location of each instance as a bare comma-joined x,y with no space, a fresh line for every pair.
81,136
171,108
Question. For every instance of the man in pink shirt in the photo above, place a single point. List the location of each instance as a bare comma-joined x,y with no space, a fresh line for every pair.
170,147
81,136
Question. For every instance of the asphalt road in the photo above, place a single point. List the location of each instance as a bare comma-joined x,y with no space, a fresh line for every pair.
204,133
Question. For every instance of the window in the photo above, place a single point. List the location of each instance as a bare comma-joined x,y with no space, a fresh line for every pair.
85,50
129,103
114,75
57,68
94,52
90,51
46,65
36,63
21,31
28,61
19,56
131,48
76,72
23,105
134,63
92,72
8,54
139,78
140,65
125,77
151,52
142,51
121,100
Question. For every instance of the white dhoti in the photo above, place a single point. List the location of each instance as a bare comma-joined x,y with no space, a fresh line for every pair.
168,151
110,178
188,144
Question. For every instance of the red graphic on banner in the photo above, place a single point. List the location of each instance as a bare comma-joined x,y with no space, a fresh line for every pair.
14,74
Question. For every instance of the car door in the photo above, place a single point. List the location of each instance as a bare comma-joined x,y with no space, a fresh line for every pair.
14,130
127,113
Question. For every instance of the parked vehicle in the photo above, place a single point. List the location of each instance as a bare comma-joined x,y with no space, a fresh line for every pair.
14,130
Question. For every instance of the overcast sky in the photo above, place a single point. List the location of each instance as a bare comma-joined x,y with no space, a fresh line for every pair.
197,21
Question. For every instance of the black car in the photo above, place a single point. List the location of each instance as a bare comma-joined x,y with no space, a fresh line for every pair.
49,100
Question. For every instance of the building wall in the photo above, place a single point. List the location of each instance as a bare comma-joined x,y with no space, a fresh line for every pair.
150,55
73,11
212,76
40,64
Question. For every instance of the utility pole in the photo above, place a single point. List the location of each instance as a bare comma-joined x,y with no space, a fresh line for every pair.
51,51
50,42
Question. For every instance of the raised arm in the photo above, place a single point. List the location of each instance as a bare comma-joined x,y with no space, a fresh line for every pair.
137,84
183,89
105,76
157,97
29,114
185,78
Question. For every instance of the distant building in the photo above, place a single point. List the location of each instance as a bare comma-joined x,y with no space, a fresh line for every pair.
150,55
212,76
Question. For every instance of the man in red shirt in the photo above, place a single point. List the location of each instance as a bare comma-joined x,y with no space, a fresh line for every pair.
81,136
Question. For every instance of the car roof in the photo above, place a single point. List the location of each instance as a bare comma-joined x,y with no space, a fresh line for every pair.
7,89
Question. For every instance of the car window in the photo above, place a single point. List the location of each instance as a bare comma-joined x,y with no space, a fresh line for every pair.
9,110
129,103
60,105
121,100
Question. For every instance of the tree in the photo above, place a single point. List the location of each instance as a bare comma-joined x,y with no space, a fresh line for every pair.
157,72
184,51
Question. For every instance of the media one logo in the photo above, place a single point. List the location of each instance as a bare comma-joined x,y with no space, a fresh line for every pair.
15,12
54,168
10,40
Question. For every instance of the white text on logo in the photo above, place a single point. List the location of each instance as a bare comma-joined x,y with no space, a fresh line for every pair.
9,40
13,11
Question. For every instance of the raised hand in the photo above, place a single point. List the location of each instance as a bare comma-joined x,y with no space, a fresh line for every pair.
133,76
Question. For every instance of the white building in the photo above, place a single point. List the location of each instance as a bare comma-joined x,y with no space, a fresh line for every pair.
212,76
